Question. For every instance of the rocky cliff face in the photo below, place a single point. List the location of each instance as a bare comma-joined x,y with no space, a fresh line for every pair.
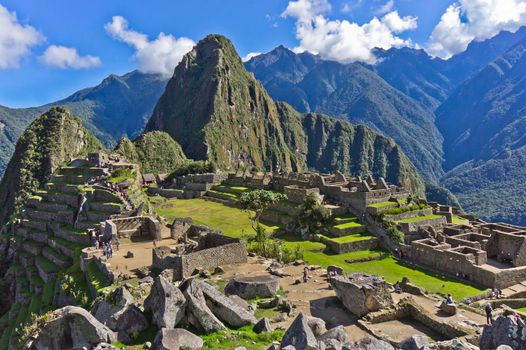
156,152
52,139
218,111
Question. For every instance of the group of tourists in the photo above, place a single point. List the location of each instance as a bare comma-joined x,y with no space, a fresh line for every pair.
107,247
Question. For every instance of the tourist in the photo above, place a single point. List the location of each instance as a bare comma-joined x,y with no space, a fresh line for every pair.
117,243
489,313
305,274
449,299
397,288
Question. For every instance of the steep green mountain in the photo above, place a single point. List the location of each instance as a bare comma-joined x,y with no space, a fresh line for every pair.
218,111
52,139
414,73
118,107
484,126
156,152
354,93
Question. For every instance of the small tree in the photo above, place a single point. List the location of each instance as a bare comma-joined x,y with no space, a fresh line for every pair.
313,214
255,202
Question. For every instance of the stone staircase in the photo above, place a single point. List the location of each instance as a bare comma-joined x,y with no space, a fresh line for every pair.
46,241
347,235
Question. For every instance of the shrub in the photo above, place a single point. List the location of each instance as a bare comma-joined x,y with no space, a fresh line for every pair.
192,167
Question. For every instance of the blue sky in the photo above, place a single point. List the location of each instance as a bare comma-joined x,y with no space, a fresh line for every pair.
252,25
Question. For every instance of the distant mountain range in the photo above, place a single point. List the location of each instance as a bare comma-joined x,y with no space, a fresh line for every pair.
460,121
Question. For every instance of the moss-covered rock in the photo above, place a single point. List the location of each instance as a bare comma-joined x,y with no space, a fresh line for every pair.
156,152
51,140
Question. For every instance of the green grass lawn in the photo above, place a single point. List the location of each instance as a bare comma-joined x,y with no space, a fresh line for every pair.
381,204
352,238
244,336
232,221
419,218
345,217
459,220
348,225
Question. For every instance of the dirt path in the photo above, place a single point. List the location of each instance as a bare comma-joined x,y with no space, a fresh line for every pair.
313,298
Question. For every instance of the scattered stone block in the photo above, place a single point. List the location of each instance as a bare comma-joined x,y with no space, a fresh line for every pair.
299,335
361,293
448,309
166,303
72,327
129,255
250,287
199,315
504,331
263,326
178,338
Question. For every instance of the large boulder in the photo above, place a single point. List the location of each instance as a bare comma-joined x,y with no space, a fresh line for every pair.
369,343
263,326
72,327
334,339
118,313
175,339
299,335
317,325
166,303
361,293
448,309
199,314
415,342
250,287
225,309
504,331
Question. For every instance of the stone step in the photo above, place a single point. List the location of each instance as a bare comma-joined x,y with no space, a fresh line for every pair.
341,230
73,235
65,216
22,232
57,258
62,187
52,206
222,195
86,225
25,258
64,247
33,201
39,225
71,179
109,207
98,216
47,270
38,236
213,199
36,285
61,197
81,170
32,247
101,194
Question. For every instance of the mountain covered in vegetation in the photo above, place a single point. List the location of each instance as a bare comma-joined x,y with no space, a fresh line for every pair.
118,107
156,152
218,111
51,140
354,93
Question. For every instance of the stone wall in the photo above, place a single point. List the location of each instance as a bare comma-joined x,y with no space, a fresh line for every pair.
297,194
407,227
136,226
340,248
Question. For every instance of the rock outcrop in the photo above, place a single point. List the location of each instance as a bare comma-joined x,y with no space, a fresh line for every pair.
178,338
300,335
118,313
197,311
72,328
166,303
225,309
362,293
504,331
250,287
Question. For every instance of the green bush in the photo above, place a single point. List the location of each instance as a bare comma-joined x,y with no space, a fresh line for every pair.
192,167
393,232
404,209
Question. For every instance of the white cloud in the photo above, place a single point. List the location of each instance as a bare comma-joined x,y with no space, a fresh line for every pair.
341,40
469,20
156,56
16,39
250,55
68,57
385,8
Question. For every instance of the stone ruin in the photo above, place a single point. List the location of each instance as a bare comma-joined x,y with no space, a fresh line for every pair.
189,186
492,255
362,293
198,248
